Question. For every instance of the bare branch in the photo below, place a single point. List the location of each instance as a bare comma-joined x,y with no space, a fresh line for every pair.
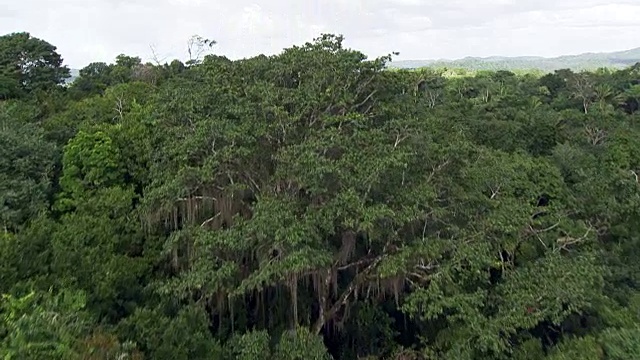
399,139
119,108
536,233
253,182
365,100
209,220
494,192
368,109
328,314
154,55
197,198
357,263
428,267
436,169
196,47
544,230
594,135
565,241
363,86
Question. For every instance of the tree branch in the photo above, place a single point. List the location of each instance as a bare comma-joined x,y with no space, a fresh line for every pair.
364,101
363,86
565,241
197,198
342,301
326,315
210,219
357,263
435,169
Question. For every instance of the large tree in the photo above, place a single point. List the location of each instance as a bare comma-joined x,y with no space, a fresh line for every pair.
27,64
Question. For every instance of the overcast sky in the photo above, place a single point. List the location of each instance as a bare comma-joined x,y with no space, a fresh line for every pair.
97,30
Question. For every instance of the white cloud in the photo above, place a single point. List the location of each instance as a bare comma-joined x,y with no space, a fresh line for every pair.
98,30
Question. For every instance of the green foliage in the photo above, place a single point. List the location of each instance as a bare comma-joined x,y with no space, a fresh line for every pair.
301,344
577,348
42,325
27,65
183,337
315,205
90,162
27,163
250,346
25,257
621,344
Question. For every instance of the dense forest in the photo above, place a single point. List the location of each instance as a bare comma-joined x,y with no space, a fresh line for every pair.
314,205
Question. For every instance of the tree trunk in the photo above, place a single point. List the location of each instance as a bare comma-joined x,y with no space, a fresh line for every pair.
293,288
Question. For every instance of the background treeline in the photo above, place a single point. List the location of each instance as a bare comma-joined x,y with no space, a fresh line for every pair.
588,61
312,205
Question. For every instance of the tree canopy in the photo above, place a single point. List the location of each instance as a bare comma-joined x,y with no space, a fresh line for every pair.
28,64
315,205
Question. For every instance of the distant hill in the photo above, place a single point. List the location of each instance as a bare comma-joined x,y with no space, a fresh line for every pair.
587,61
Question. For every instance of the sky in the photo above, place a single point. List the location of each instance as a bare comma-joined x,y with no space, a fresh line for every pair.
86,31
